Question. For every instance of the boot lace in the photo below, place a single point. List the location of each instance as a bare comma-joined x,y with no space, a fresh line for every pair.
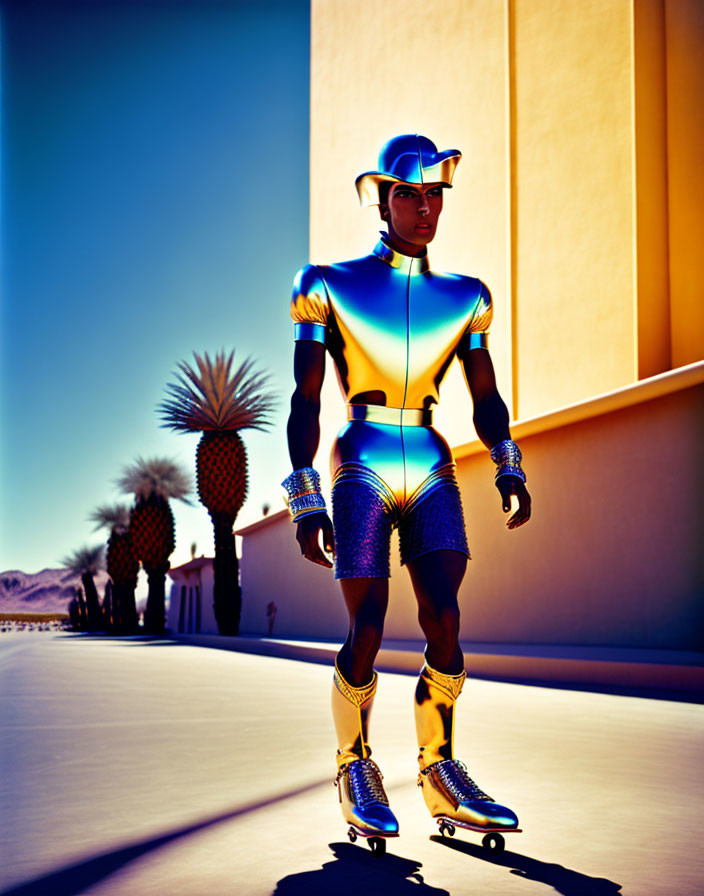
365,781
455,777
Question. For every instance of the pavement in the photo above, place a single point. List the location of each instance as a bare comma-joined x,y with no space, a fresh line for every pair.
669,674
132,766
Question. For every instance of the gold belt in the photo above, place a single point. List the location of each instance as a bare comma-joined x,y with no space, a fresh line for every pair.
379,413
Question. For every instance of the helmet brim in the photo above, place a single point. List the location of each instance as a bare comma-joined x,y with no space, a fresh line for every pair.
440,169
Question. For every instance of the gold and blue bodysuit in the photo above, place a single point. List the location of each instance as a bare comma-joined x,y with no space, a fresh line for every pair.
392,327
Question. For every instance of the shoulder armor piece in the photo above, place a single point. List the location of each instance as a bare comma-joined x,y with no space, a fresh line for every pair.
476,333
483,312
309,301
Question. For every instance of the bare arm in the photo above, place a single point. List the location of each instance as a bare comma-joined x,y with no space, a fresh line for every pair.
303,432
491,423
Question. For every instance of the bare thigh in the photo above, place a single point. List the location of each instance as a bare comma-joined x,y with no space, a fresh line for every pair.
436,578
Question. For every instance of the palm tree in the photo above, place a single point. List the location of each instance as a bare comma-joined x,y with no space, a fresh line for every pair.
75,613
122,565
108,607
153,482
219,403
86,562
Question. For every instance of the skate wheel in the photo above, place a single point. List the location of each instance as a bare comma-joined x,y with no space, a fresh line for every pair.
377,846
352,835
494,843
447,828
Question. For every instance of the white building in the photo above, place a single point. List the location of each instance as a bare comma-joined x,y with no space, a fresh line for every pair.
191,598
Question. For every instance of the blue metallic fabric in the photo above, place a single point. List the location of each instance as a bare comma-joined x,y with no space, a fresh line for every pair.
410,158
434,524
362,523
390,324
392,327
405,460
365,512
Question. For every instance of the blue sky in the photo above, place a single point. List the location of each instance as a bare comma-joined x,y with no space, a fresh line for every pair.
154,202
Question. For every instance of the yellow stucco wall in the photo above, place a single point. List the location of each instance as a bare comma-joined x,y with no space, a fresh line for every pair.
579,196
573,237
380,69
685,148
612,556
579,201
651,201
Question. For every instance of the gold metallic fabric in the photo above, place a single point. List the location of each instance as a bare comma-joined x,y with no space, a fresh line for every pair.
447,789
451,685
379,413
392,327
390,324
435,698
450,793
362,797
398,502
351,709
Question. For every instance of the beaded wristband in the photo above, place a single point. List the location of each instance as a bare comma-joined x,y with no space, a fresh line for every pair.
303,493
507,457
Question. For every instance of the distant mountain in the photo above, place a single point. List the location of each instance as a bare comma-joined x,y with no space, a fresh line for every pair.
48,591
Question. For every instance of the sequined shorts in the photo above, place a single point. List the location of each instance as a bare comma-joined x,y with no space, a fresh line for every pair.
418,495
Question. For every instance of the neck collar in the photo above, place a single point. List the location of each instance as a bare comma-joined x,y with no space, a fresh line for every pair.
406,264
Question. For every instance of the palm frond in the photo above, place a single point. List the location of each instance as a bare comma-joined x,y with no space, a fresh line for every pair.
214,398
85,560
113,517
157,476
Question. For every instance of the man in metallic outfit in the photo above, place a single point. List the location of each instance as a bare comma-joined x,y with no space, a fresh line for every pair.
392,327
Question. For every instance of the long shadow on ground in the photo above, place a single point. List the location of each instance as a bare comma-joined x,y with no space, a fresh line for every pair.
75,878
563,880
355,870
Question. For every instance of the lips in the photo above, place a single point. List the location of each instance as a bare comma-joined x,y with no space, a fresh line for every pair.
423,227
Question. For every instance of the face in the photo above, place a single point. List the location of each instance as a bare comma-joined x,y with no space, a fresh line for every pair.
412,214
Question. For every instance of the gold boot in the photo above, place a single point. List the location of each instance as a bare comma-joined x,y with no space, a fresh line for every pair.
365,806
448,790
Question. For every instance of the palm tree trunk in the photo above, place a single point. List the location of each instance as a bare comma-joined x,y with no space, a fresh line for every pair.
155,614
92,602
109,607
82,611
128,621
74,614
227,594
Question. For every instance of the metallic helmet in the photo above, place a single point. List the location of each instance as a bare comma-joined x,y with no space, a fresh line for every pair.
409,158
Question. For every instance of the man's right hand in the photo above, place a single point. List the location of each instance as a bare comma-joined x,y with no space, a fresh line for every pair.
308,537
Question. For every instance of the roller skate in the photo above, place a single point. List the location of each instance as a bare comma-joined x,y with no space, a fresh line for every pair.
452,797
364,804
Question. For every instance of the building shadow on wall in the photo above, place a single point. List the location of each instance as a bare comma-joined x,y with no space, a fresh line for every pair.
355,870
562,880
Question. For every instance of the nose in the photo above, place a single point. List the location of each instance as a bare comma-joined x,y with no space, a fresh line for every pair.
423,207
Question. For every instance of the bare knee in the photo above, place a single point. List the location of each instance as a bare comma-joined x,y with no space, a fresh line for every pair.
440,622
365,641
367,614
441,626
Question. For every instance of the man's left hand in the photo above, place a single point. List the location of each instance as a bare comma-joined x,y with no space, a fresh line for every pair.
512,485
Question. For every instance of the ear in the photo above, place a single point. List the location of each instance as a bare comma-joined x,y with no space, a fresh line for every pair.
383,212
